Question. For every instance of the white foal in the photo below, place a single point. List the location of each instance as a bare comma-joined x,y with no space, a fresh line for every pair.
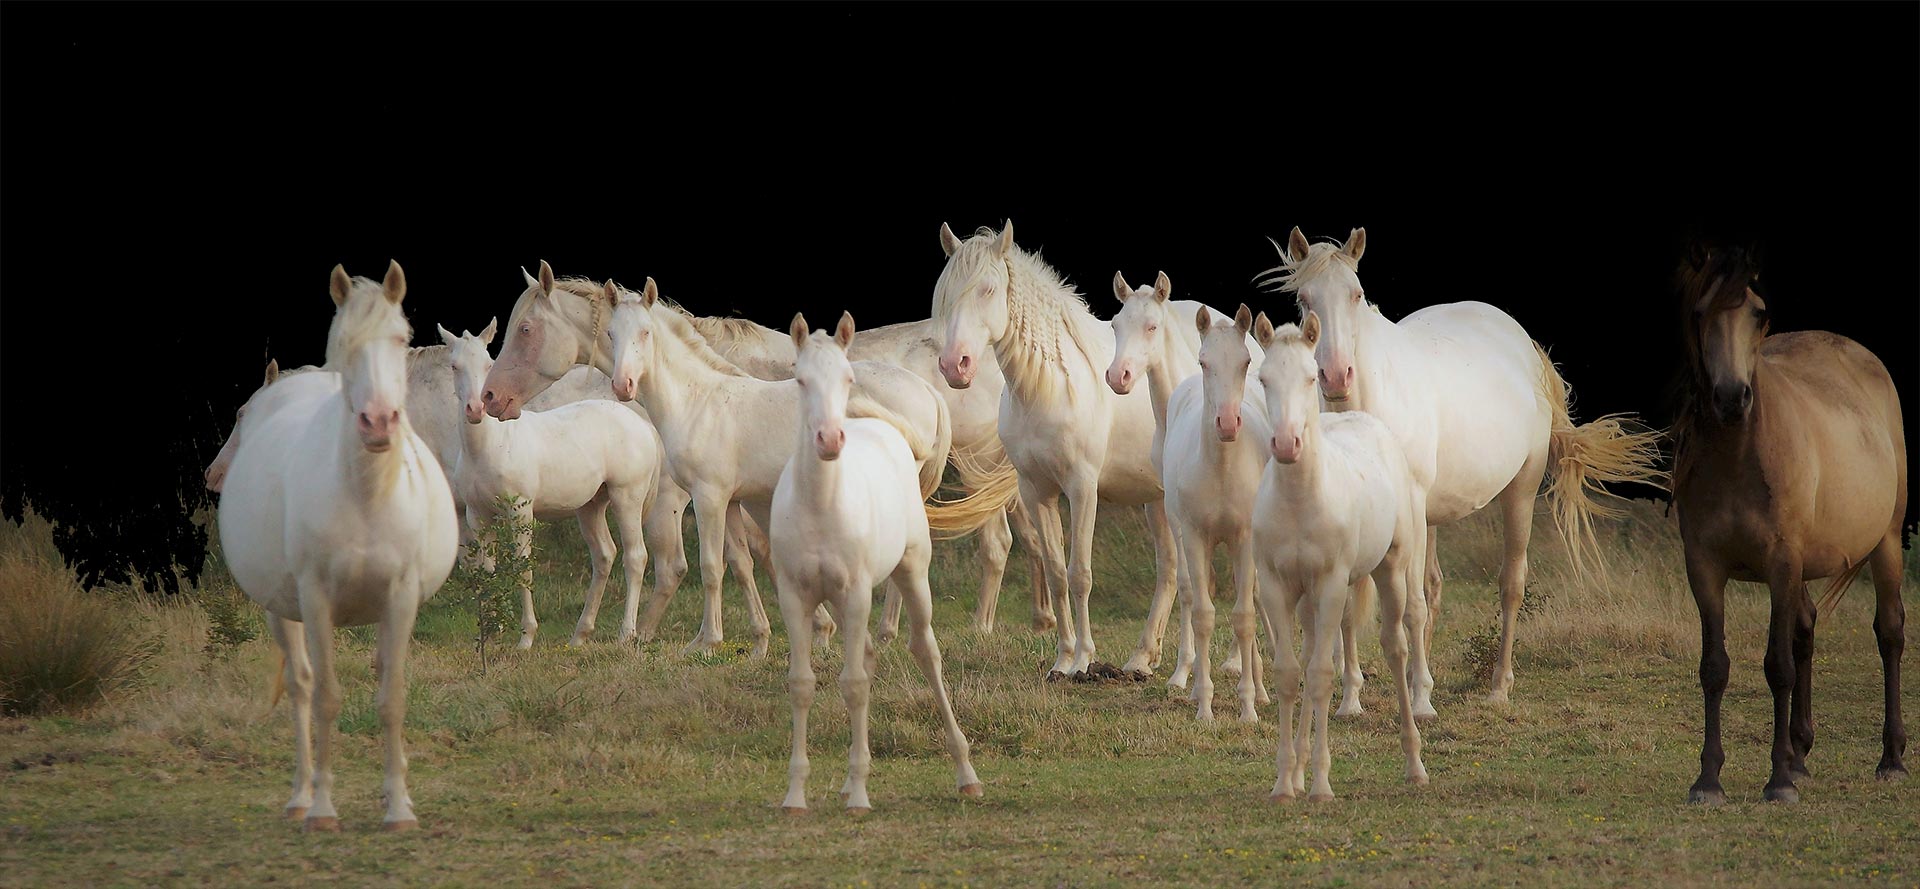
1336,502
333,513
848,513
578,459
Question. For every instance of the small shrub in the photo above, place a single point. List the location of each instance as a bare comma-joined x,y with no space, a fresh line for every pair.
232,620
61,648
494,594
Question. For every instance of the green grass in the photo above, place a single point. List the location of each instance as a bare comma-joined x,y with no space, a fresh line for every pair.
615,766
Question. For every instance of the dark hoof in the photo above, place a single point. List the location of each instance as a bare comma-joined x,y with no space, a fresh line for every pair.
974,790
1709,795
296,813
1895,772
1785,793
399,826
322,824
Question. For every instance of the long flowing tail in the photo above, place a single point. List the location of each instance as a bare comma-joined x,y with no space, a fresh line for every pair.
1838,586
990,483
1613,448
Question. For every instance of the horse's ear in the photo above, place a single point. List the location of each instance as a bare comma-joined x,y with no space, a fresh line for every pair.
611,291
1162,287
1296,245
1263,331
843,332
1243,319
798,330
546,278
1120,289
395,284
1203,319
446,336
650,293
1356,244
493,327
1310,329
948,242
273,372
531,280
338,284
1006,240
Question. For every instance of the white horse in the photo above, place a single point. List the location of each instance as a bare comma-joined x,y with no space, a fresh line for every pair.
1479,410
838,531
977,453
1336,502
1064,432
579,459
334,514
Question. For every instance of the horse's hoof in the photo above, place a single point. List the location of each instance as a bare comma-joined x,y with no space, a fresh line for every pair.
794,810
1895,772
1799,773
1043,625
1320,798
1280,799
1055,676
323,824
400,826
1348,711
1785,793
526,642
1706,796
1497,698
1426,718
295,813
1250,718
975,790
858,811
1418,779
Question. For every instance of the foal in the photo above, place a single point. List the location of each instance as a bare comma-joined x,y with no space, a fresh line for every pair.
848,513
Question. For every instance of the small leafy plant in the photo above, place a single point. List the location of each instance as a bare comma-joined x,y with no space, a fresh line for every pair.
491,573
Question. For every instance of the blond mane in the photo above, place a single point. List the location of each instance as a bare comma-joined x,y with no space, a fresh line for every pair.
728,331
681,324
1040,306
366,315
1291,275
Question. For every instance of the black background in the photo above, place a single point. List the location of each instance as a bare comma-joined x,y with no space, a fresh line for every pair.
177,181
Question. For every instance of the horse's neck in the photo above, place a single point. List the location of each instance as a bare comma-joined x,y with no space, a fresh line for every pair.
677,379
1161,380
814,480
479,441
581,313
1378,347
1301,480
1040,339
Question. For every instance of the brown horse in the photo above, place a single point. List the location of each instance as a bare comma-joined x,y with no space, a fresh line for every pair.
1790,465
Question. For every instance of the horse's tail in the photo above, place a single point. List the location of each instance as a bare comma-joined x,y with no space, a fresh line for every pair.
932,455
279,680
1613,448
991,485
1838,586
1360,606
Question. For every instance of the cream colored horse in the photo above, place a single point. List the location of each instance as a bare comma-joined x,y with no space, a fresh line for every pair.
1479,410
1337,502
848,512
1064,431
334,514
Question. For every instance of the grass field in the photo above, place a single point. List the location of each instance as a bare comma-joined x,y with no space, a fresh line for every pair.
614,766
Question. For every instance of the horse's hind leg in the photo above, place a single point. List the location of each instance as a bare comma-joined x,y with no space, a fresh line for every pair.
1516,525
1351,679
666,537
994,542
1166,567
630,510
1890,628
298,676
1708,579
1020,518
523,551
741,534
593,529
1801,729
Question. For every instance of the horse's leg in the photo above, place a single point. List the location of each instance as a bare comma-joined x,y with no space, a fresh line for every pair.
1244,619
889,614
994,541
1306,609
710,522
911,579
1516,526
800,685
1800,726
390,699
1789,597
739,550
1022,521
1329,611
1183,663
523,551
1279,601
1046,516
291,639
1708,580
1200,612
593,529
1351,679
1398,583
666,537
856,685
1165,569
630,510
1433,588
1418,618
1890,629
316,617
1083,499
1262,623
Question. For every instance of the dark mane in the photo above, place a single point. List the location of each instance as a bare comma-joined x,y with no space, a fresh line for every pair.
1733,269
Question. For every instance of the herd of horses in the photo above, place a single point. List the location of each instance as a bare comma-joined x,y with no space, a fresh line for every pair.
1323,455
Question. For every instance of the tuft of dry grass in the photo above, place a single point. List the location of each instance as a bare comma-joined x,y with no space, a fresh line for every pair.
62,649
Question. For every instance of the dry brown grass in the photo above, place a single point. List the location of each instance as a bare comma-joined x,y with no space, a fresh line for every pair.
62,649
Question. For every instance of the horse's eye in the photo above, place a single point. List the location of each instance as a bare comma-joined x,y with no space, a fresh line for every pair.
526,328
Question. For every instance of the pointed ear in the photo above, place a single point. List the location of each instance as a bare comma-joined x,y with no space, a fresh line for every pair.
546,278
339,285
1296,245
446,336
948,242
1310,329
1203,319
531,280
1006,240
611,291
1120,289
649,294
1356,243
1162,287
395,284
1243,319
798,330
1263,331
493,327
843,332
273,372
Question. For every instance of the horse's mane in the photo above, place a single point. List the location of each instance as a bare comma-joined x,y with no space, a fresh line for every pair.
681,323
727,331
366,315
1039,304
1291,275
1689,281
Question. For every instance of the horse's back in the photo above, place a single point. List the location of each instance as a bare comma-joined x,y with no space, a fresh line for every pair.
599,441
1845,409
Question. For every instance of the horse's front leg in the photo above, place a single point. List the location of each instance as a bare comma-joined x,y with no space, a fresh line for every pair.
1046,517
593,529
995,540
1021,520
1709,582
523,553
741,544
396,630
1166,561
297,673
710,521
1789,598
316,618
1083,500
